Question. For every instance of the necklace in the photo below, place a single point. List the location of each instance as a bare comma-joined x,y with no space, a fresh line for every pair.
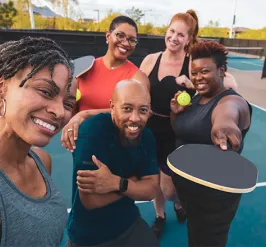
115,67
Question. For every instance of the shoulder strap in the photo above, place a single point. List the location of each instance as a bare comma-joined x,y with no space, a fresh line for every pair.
154,73
38,162
185,67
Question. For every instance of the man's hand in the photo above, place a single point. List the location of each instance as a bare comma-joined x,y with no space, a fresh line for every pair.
223,133
100,181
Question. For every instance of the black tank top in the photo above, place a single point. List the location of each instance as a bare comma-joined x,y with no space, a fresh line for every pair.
161,94
194,125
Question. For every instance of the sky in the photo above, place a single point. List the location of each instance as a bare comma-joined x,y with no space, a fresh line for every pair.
249,13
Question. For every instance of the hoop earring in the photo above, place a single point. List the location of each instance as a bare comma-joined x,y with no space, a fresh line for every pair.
4,104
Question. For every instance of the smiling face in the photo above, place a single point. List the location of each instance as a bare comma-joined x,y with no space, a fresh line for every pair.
130,111
121,49
177,36
206,77
40,109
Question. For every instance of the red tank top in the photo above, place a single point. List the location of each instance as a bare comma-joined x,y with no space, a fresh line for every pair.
97,85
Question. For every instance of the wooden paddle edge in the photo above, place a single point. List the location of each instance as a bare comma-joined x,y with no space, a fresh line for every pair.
208,184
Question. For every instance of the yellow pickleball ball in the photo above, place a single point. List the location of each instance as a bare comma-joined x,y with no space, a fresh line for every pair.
183,99
78,95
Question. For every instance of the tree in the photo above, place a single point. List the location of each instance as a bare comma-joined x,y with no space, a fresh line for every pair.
146,29
259,34
217,24
213,32
135,14
7,13
210,24
213,23
64,3
104,24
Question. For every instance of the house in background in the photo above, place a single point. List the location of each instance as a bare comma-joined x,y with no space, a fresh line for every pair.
86,20
238,30
44,11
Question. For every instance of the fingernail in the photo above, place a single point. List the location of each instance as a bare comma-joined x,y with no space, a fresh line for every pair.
75,138
74,147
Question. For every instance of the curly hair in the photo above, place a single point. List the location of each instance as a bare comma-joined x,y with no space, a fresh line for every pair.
210,49
37,52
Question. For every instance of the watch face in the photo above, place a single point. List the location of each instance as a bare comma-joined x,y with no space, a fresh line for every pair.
123,185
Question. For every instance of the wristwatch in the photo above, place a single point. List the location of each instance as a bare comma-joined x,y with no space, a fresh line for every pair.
123,185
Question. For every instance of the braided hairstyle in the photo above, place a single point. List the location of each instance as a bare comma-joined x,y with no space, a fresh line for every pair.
36,52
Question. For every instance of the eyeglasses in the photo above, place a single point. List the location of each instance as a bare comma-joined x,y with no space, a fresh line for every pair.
121,37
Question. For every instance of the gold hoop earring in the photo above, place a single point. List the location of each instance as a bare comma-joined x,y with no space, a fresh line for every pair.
3,104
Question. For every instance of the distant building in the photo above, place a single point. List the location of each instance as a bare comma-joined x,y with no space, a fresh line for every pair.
44,11
86,20
238,30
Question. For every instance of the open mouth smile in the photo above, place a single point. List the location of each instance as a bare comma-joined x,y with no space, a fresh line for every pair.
45,125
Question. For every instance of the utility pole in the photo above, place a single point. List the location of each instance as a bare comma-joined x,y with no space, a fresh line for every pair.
144,11
98,16
31,14
155,18
234,21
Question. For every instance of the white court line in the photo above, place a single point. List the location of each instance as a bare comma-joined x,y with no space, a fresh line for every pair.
258,107
260,65
241,70
262,184
137,202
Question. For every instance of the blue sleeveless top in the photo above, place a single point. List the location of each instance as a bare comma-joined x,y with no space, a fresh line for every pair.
28,221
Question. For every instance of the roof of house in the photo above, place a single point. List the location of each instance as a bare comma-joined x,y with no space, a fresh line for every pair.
44,11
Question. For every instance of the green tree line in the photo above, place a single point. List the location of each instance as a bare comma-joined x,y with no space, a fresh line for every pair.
15,16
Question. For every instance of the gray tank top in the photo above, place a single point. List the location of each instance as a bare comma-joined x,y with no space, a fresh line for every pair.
31,222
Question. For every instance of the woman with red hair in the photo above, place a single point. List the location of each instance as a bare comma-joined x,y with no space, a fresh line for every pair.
168,72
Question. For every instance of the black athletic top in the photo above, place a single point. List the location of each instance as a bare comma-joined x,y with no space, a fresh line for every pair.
161,94
194,125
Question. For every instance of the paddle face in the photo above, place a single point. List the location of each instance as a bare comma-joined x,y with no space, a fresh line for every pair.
82,65
210,166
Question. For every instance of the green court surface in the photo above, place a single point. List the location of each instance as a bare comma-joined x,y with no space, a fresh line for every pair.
249,226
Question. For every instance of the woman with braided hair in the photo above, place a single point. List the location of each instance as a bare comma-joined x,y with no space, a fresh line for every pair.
36,101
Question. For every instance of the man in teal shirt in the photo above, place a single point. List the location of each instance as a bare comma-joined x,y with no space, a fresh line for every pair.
114,165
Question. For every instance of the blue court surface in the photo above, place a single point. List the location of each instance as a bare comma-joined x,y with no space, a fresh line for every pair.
249,226
245,64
